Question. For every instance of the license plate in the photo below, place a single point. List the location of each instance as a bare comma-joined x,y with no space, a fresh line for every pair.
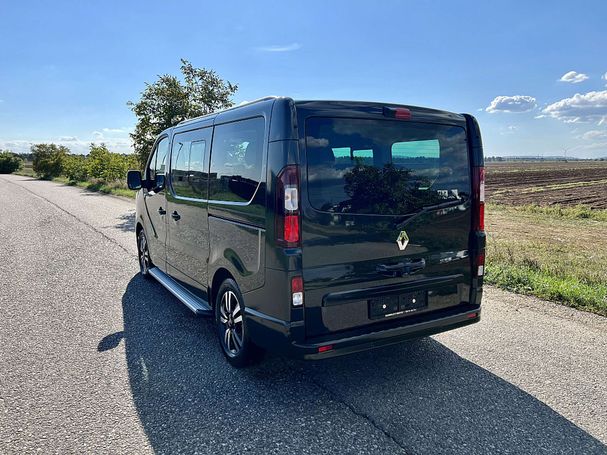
413,301
395,305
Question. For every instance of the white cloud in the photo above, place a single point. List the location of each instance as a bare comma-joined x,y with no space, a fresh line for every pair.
77,146
516,103
587,107
117,130
315,142
593,135
280,48
604,77
573,77
97,135
510,129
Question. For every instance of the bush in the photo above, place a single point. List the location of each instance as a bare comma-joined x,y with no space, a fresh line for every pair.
49,159
75,168
9,163
107,166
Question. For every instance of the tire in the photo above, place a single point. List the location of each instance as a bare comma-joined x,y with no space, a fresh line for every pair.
145,263
238,349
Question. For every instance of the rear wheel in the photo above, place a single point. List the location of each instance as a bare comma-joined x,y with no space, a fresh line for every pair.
229,316
145,263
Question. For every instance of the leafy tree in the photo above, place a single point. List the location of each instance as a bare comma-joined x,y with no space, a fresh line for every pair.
48,159
98,161
9,162
76,168
104,165
387,190
170,100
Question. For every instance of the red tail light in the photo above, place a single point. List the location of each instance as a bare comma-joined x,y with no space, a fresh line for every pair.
479,262
287,226
297,291
478,191
401,113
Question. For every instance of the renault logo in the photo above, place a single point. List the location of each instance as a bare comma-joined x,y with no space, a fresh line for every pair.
402,241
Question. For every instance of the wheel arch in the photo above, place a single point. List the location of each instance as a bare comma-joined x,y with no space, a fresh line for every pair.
219,277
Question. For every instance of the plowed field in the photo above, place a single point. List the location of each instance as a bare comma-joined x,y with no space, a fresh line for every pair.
548,183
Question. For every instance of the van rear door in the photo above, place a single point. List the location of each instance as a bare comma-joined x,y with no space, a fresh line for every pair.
386,220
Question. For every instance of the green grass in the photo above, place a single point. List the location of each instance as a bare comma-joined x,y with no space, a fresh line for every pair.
26,170
555,253
117,188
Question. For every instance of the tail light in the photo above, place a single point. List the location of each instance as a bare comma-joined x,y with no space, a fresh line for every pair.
287,226
479,263
478,219
478,191
297,291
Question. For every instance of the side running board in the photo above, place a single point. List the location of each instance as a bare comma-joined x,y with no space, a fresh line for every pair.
194,303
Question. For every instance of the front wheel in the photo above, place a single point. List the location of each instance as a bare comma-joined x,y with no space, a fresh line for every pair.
145,263
229,316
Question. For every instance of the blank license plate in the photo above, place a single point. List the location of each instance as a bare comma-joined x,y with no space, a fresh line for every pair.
394,305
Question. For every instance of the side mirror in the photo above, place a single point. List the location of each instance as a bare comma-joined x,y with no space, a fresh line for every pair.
159,183
133,180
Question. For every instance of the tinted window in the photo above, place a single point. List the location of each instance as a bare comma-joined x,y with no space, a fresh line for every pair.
236,160
384,167
198,178
188,178
180,157
158,161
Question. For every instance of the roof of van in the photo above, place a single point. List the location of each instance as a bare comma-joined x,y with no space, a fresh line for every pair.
374,107
215,114
330,107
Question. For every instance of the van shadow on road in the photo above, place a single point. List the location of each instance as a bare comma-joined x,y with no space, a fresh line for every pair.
419,395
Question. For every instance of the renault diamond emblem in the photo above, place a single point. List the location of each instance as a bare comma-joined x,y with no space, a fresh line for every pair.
402,241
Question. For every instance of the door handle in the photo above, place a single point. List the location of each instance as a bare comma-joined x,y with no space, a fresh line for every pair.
161,211
402,268
176,216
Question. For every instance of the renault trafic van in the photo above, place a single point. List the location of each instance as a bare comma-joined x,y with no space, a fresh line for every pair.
317,228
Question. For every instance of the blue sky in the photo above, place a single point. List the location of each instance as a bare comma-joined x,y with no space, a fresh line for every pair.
67,69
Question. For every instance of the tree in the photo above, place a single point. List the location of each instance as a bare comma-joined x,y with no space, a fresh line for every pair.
170,100
48,159
9,162
75,168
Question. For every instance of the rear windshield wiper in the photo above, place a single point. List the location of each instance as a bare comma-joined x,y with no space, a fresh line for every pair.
429,208
447,204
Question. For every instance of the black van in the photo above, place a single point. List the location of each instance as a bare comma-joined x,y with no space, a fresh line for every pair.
317,228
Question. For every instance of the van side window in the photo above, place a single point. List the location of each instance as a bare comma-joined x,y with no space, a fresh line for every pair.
236,160
188,178
159,159
198,179
180,157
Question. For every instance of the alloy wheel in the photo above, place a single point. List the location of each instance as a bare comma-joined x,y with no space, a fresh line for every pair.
144,254
230,317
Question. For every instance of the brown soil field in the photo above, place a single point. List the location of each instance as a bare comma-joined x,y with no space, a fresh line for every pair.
545,183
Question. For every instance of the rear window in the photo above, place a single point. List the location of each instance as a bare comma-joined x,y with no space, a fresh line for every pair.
384,167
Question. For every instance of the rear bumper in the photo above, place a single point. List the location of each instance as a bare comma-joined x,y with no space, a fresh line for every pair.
279,336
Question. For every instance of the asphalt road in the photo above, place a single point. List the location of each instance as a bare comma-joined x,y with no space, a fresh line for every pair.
94,359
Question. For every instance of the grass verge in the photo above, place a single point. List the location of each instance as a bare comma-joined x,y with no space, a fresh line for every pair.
117,188
555,253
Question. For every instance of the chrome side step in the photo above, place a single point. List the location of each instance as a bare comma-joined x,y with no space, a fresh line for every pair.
194,303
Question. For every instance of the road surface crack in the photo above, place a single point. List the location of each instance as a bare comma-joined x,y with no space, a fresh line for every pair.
358,413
